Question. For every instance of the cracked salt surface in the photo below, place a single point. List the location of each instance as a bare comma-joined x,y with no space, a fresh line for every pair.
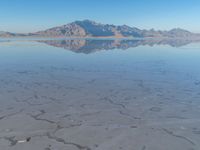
144,98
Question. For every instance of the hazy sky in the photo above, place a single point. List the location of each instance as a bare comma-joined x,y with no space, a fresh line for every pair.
34,15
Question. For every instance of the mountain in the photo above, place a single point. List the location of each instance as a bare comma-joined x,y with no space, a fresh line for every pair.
6,34
9,34
88,28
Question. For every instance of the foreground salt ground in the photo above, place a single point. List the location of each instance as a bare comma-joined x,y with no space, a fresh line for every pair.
101,111
145,106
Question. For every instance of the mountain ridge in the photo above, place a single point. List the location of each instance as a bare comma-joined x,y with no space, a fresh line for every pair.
92,29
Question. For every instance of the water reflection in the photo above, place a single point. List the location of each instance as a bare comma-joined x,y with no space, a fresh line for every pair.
90,46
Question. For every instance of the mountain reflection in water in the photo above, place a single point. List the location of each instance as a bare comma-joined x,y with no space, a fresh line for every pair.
88,46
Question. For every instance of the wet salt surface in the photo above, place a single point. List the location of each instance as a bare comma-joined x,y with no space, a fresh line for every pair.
142,98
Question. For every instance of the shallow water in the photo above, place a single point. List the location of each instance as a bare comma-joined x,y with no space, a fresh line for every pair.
99,95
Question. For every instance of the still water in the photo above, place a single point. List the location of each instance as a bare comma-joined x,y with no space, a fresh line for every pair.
99,94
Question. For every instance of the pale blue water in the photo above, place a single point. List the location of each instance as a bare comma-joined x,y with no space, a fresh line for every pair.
19,55
106,85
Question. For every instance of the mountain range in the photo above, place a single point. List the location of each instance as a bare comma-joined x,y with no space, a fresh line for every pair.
91,29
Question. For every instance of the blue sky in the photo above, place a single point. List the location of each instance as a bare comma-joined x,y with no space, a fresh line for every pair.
34,15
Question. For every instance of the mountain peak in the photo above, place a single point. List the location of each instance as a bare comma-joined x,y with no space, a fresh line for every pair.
86,21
